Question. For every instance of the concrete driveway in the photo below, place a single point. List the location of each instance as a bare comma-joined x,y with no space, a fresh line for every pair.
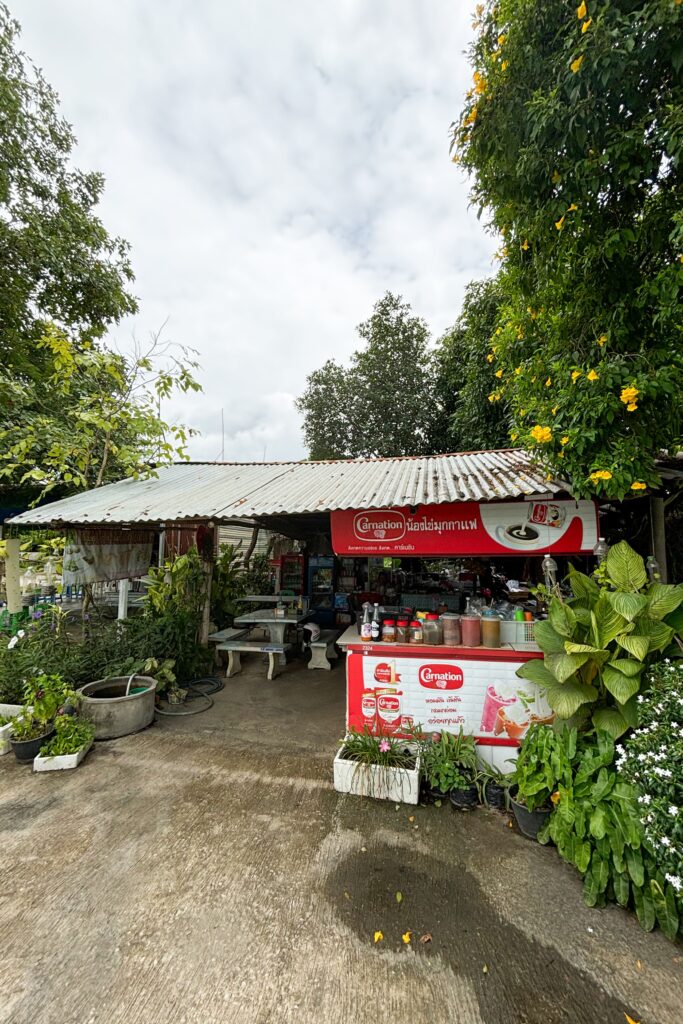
205,871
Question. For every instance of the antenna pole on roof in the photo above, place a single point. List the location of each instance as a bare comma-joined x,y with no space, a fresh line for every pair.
222,437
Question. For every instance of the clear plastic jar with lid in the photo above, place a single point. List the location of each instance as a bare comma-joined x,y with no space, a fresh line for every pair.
403,631
416,634
471,630
490,630
389,631
451,629
432,630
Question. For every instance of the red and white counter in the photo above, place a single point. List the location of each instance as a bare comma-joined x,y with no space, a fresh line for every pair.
392,687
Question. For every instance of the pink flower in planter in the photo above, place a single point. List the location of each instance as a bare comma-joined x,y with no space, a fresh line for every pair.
384,747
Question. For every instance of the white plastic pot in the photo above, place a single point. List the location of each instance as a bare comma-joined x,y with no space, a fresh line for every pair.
60,761
8,711
400,785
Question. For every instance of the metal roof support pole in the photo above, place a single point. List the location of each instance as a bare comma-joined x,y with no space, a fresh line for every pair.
12,575
659,534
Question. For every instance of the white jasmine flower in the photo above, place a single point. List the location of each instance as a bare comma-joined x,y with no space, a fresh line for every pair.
13,643
665,841
673,810
675,881
646,799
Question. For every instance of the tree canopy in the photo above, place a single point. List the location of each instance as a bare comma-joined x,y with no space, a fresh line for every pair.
73,413
573,132
380,405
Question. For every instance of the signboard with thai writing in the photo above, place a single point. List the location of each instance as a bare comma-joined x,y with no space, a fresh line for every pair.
468,528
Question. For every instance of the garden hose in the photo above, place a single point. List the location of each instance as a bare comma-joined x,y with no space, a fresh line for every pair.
197,689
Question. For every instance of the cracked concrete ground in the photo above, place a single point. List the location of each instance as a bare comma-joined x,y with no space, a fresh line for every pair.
206,871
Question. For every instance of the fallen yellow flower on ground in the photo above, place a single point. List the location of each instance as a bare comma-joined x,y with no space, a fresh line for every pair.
379,936
576,64
406,938
592,375
638,485
581,10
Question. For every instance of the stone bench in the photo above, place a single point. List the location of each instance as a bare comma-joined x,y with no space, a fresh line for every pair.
323,651
235,648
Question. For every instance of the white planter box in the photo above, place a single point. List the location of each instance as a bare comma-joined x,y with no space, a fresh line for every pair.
8,711
60,761
400,785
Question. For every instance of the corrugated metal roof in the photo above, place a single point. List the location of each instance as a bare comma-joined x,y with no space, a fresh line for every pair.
222,491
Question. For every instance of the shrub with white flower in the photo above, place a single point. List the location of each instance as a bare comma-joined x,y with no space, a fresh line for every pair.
651,758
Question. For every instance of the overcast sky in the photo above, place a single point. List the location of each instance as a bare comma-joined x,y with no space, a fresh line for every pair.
276,167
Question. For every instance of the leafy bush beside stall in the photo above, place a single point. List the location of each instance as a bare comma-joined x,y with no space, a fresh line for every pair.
598,643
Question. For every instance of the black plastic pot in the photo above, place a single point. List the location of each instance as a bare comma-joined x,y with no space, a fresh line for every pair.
26,750
464,799
529,822
495,795
430,796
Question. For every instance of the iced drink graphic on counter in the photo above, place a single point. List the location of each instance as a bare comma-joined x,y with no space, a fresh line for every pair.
498,695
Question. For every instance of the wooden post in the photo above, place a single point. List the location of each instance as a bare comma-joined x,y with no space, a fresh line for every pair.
12,575
124,587
658,534
205,627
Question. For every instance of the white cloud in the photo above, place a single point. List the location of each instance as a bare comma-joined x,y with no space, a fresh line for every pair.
276,168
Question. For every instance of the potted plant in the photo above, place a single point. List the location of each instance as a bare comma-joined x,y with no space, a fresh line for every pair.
44,695
464,792
449,764
71,742
493,786
378,766
544,761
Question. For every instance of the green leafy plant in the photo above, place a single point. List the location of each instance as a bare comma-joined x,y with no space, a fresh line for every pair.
228,586
596,827
597,644
544,761
72,734
651,759
385,751
449,761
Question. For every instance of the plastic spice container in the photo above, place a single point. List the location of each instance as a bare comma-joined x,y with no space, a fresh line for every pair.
416,634
490,631
451,629
432,630
389,631
403,631
470,626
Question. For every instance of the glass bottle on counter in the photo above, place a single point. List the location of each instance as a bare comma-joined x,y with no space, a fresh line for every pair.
432,630
450,622
366,625
375,625
416,634
389,631
403,631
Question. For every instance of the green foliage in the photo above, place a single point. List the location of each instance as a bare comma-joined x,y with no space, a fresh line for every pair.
380,750
543,761
46,696
73,414
72,734
651,759
470,413
596,827
449,762
228,586
573,135
382,404
597,644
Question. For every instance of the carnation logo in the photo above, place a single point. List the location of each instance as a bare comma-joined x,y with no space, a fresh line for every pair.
379,525
441,677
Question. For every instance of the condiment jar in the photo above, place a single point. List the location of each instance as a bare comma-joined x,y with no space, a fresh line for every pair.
490,630
403,631
470,626
416,634
389,631
432,630
451,628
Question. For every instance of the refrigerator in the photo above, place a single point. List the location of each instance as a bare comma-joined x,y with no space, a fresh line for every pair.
292,573
321,588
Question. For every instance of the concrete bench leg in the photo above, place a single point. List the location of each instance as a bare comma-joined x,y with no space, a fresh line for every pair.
234,664
319,658
274,664
332,651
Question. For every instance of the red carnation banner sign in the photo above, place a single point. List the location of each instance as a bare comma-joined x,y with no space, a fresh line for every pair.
468,528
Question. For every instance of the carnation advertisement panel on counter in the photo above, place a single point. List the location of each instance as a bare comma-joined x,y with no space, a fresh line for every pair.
390,692
468,528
